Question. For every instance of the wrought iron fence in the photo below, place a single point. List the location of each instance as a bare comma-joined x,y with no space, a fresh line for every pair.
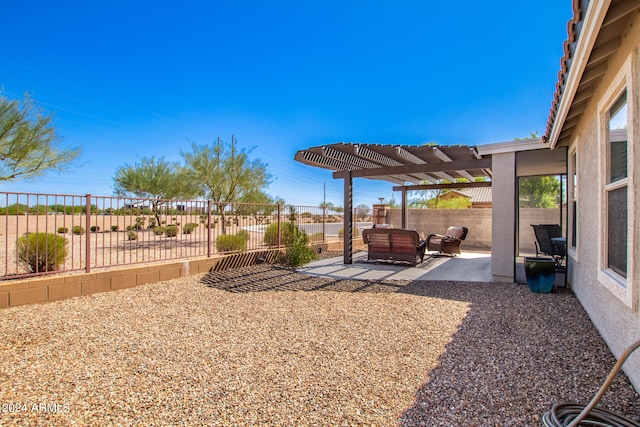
52,233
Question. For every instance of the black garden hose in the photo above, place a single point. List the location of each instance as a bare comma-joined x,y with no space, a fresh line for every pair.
567,414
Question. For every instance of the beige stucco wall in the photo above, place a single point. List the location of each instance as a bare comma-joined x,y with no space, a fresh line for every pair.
428,221
503,191
612,309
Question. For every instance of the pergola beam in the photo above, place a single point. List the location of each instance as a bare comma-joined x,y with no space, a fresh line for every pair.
440,154
483,163
441,186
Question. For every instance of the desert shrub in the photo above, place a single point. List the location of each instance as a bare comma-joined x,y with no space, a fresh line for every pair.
171,230
158,231
63,230
16,209
139,225
287,230
94,228
189,227
132,235
152,223
317,237
77,230
231,242
245,234
115,228
271,235
298,251
42,251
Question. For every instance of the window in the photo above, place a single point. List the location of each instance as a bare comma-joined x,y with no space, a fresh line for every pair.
616,188
573,194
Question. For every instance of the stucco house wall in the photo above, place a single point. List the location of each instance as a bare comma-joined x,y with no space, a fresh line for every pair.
612,307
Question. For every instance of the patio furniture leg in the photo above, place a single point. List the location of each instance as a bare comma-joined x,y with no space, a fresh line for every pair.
422,249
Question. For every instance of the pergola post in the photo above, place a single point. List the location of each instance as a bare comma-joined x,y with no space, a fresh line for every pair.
405,209
348,219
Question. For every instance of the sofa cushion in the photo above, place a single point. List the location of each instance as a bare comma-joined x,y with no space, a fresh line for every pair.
455,232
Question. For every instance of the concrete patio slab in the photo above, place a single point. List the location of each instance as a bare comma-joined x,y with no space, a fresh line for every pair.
466,267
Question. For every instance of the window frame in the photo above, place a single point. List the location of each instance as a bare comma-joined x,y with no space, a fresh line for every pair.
573,224
622,287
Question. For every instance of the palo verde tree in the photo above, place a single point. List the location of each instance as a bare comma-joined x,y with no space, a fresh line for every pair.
224,174
28,141
362,212
258,204
156,179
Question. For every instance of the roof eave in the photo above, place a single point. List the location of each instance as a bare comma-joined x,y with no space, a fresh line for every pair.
511,146
594,17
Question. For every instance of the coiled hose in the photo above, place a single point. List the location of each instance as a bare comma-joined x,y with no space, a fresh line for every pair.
567,414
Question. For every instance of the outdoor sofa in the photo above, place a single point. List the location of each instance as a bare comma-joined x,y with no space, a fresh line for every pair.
394,244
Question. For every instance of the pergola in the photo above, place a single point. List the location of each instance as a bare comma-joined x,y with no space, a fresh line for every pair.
415,167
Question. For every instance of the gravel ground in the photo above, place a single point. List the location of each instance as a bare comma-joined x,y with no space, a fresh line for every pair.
268,346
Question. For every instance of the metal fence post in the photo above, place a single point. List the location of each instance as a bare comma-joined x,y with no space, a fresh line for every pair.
87,233
209,225
279,240
324,223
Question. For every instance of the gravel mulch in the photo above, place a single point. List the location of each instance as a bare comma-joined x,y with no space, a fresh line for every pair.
268,346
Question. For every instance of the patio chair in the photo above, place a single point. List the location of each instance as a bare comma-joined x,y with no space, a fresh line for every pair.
544,245
448,242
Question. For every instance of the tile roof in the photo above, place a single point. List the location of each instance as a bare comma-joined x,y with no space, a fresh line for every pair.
573,29
477,194
585,60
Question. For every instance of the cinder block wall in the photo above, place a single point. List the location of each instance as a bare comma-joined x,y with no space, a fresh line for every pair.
530,216
53,288
428,221
478,221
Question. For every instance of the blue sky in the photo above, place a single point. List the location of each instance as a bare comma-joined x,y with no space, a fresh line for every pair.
133,79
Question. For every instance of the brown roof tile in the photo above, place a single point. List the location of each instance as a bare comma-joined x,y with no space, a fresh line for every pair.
579,6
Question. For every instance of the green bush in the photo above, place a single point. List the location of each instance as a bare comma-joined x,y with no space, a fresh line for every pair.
230,242
171,230
139,225
245,234
189,227
115,228
271,235
158,231
63,230
77,230
287,231
132,235
94,228
298,251
42,251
